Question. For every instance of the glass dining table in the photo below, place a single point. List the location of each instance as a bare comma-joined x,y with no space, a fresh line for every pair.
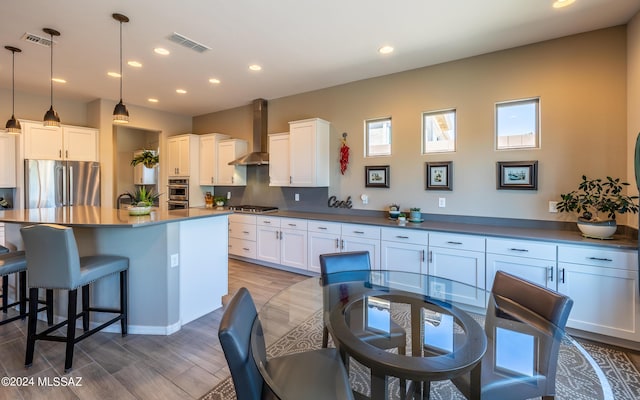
451,329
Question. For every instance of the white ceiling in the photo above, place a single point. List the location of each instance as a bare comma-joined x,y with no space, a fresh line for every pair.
302,45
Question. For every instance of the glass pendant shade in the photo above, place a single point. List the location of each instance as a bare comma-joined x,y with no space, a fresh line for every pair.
13,125
120,112
51,117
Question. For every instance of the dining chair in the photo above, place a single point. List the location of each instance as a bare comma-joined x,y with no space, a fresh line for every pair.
310,375
348,267
521,312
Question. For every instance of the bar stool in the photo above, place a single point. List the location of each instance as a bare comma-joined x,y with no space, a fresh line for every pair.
15,263
53,262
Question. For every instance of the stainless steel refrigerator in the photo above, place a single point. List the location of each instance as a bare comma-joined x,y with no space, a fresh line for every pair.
50,183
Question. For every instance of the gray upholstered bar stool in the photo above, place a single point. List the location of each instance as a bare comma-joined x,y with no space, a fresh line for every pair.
13,263
53,262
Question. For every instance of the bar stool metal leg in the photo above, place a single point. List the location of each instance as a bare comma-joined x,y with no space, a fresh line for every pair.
85,307
71,328
124,302
5,291
31,327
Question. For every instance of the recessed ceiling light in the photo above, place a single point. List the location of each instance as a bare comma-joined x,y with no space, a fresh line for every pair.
385,50
563,3
214,80
135,64
152,100
255,67
59,80
181,91
113,74
161,51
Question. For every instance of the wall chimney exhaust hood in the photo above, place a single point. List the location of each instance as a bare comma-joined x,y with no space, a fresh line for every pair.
259,155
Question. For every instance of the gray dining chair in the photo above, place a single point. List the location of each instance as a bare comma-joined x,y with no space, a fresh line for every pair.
310,375
531,310
53,263
347,266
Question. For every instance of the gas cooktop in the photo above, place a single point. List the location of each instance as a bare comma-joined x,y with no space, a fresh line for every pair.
245,208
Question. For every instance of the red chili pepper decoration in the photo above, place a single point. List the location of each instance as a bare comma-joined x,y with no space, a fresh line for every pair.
344,154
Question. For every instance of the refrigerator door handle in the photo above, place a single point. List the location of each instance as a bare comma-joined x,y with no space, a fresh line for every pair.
61,198
70,178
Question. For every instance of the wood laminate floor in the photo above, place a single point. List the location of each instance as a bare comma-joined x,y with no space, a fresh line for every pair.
185,365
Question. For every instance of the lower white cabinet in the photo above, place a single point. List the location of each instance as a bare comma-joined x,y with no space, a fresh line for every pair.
405,250
282,241
529,260
242,235
324,237
460,258
604,287
356,237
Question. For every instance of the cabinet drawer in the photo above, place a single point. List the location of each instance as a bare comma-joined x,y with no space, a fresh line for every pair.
364,231
454,241
588,255
262,220
293,223
243,218
240,247
242,231
522,248
405,236
322,226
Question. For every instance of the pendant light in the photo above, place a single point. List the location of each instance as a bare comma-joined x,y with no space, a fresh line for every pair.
51,117
120,112
13,125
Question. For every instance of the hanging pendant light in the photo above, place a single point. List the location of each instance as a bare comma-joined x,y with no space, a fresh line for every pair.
13,125
51,117
120,112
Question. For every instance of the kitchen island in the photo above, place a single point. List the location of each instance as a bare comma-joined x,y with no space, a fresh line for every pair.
178,268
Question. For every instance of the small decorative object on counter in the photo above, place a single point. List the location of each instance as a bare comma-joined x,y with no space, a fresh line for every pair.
4,203
220,201
402,218
415,215
394,211
344,154
208,200
142,200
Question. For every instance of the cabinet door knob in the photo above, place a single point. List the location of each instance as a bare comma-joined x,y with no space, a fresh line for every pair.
550,274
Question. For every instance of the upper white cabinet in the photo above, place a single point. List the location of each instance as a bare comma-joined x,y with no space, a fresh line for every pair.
209,158
231,175
7,160
71,143
279,159
182,154
308,152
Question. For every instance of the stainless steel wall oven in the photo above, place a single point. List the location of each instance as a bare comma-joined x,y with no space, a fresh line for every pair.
178,189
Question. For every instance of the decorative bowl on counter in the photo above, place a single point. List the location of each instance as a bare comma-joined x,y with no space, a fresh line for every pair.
139,210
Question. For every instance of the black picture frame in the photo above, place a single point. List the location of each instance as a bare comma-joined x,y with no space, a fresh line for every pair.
376,176
518,175
439,175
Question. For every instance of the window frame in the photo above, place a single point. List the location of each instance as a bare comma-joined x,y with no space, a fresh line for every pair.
366,135
424,114
538,130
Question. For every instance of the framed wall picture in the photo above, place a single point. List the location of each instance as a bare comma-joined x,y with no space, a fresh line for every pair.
376,176
517,175
439,175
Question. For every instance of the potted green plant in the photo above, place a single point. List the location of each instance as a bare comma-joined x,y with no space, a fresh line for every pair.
596,202
148,158
142,200
220,200
402,218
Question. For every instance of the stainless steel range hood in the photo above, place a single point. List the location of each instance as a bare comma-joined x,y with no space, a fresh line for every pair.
259,155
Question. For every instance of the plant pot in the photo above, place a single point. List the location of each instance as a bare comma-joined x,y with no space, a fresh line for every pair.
597,230
136,210
415,216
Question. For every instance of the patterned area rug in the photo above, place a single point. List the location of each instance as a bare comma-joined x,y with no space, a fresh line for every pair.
621,378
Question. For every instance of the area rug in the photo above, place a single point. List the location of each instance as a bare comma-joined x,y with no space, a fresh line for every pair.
621,379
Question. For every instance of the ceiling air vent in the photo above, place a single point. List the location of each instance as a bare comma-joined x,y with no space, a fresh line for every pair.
188,43
31,38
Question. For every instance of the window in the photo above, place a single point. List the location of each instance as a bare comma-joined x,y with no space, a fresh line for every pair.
438,131
378,137
517,124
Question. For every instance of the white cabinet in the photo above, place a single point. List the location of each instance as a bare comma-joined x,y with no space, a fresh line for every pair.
182,155
268,239
460,258
279,159
209,158
7,160
242,235
404,250
282,241
309,152
356,237
229,150
604,287
530,260
324,237
59,143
